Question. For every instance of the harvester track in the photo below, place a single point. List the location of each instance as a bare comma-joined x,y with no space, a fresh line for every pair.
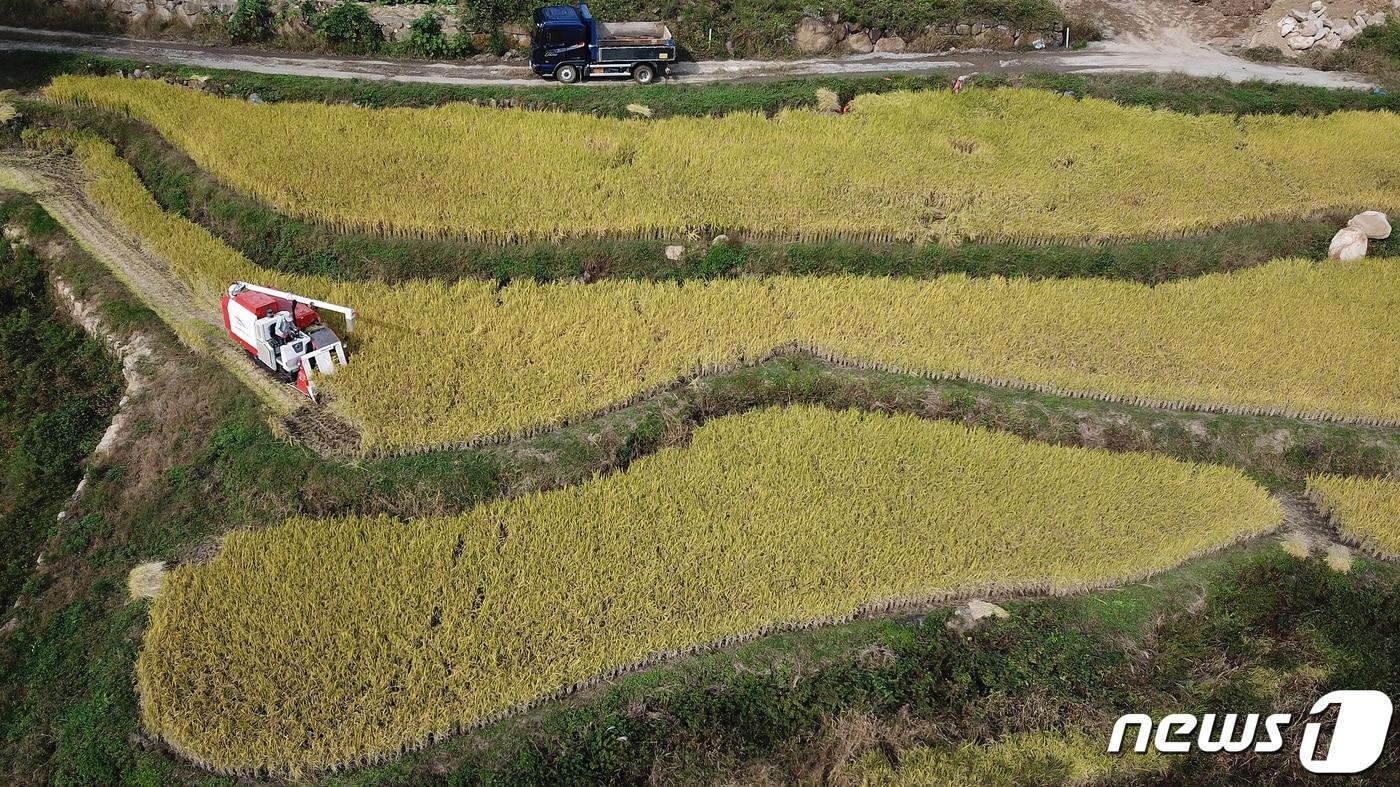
56,182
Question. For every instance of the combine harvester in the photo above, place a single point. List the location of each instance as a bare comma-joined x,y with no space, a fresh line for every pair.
284,333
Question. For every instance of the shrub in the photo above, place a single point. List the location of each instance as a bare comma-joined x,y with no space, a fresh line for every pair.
251,21
349,27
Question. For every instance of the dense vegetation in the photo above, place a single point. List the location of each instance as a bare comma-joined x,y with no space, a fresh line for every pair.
1099,172
57,389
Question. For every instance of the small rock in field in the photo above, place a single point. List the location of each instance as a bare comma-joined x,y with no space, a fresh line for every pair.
968,614
720,240
1375,224
674,253
254,98
1348,244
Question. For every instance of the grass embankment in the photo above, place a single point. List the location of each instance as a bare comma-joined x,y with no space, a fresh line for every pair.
1366,508
1292,337
292,245
769,520
1098,172
58,388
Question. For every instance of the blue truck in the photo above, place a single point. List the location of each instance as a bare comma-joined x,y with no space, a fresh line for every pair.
568,44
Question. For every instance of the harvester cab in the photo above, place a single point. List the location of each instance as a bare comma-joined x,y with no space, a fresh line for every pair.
284,332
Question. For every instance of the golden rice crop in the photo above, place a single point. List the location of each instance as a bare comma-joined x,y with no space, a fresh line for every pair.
318,643
990,165
1066,759
1366,509
440,364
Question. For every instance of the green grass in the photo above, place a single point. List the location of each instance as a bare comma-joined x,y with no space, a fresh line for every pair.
58,388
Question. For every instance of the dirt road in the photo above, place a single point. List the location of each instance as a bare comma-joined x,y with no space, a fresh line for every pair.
1133,53
56,182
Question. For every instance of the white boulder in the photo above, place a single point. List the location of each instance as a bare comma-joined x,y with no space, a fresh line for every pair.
1316,6
1287,25
1310,29
674,253
1300,43
1346,32
1375,224
1348,244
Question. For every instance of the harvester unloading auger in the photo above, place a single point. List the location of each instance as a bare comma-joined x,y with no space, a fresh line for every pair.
285,333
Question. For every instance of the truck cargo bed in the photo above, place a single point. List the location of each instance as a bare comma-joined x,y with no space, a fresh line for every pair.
632,33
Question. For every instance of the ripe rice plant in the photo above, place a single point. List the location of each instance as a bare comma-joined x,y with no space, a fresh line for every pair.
321,643
990,165
1366,509
1068,759
437,364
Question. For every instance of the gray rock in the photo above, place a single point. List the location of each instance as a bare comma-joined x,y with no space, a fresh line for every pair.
963,30
674,253
1300,43
858,44
1346,32
815,36
254,98
1309,29
890,44
1301,16
1316,6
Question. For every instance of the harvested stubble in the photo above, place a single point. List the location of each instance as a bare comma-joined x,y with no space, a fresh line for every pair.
1002,165
437,364
316,644
1366,509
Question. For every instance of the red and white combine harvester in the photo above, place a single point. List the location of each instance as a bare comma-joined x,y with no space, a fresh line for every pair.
284,333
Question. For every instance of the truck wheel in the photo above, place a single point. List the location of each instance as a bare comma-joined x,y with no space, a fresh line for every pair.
645,74
567,74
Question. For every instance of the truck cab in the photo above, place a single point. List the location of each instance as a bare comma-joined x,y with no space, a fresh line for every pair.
568,43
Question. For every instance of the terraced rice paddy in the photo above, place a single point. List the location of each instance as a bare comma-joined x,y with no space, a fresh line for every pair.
436,364
1366,509
998,165
316,644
